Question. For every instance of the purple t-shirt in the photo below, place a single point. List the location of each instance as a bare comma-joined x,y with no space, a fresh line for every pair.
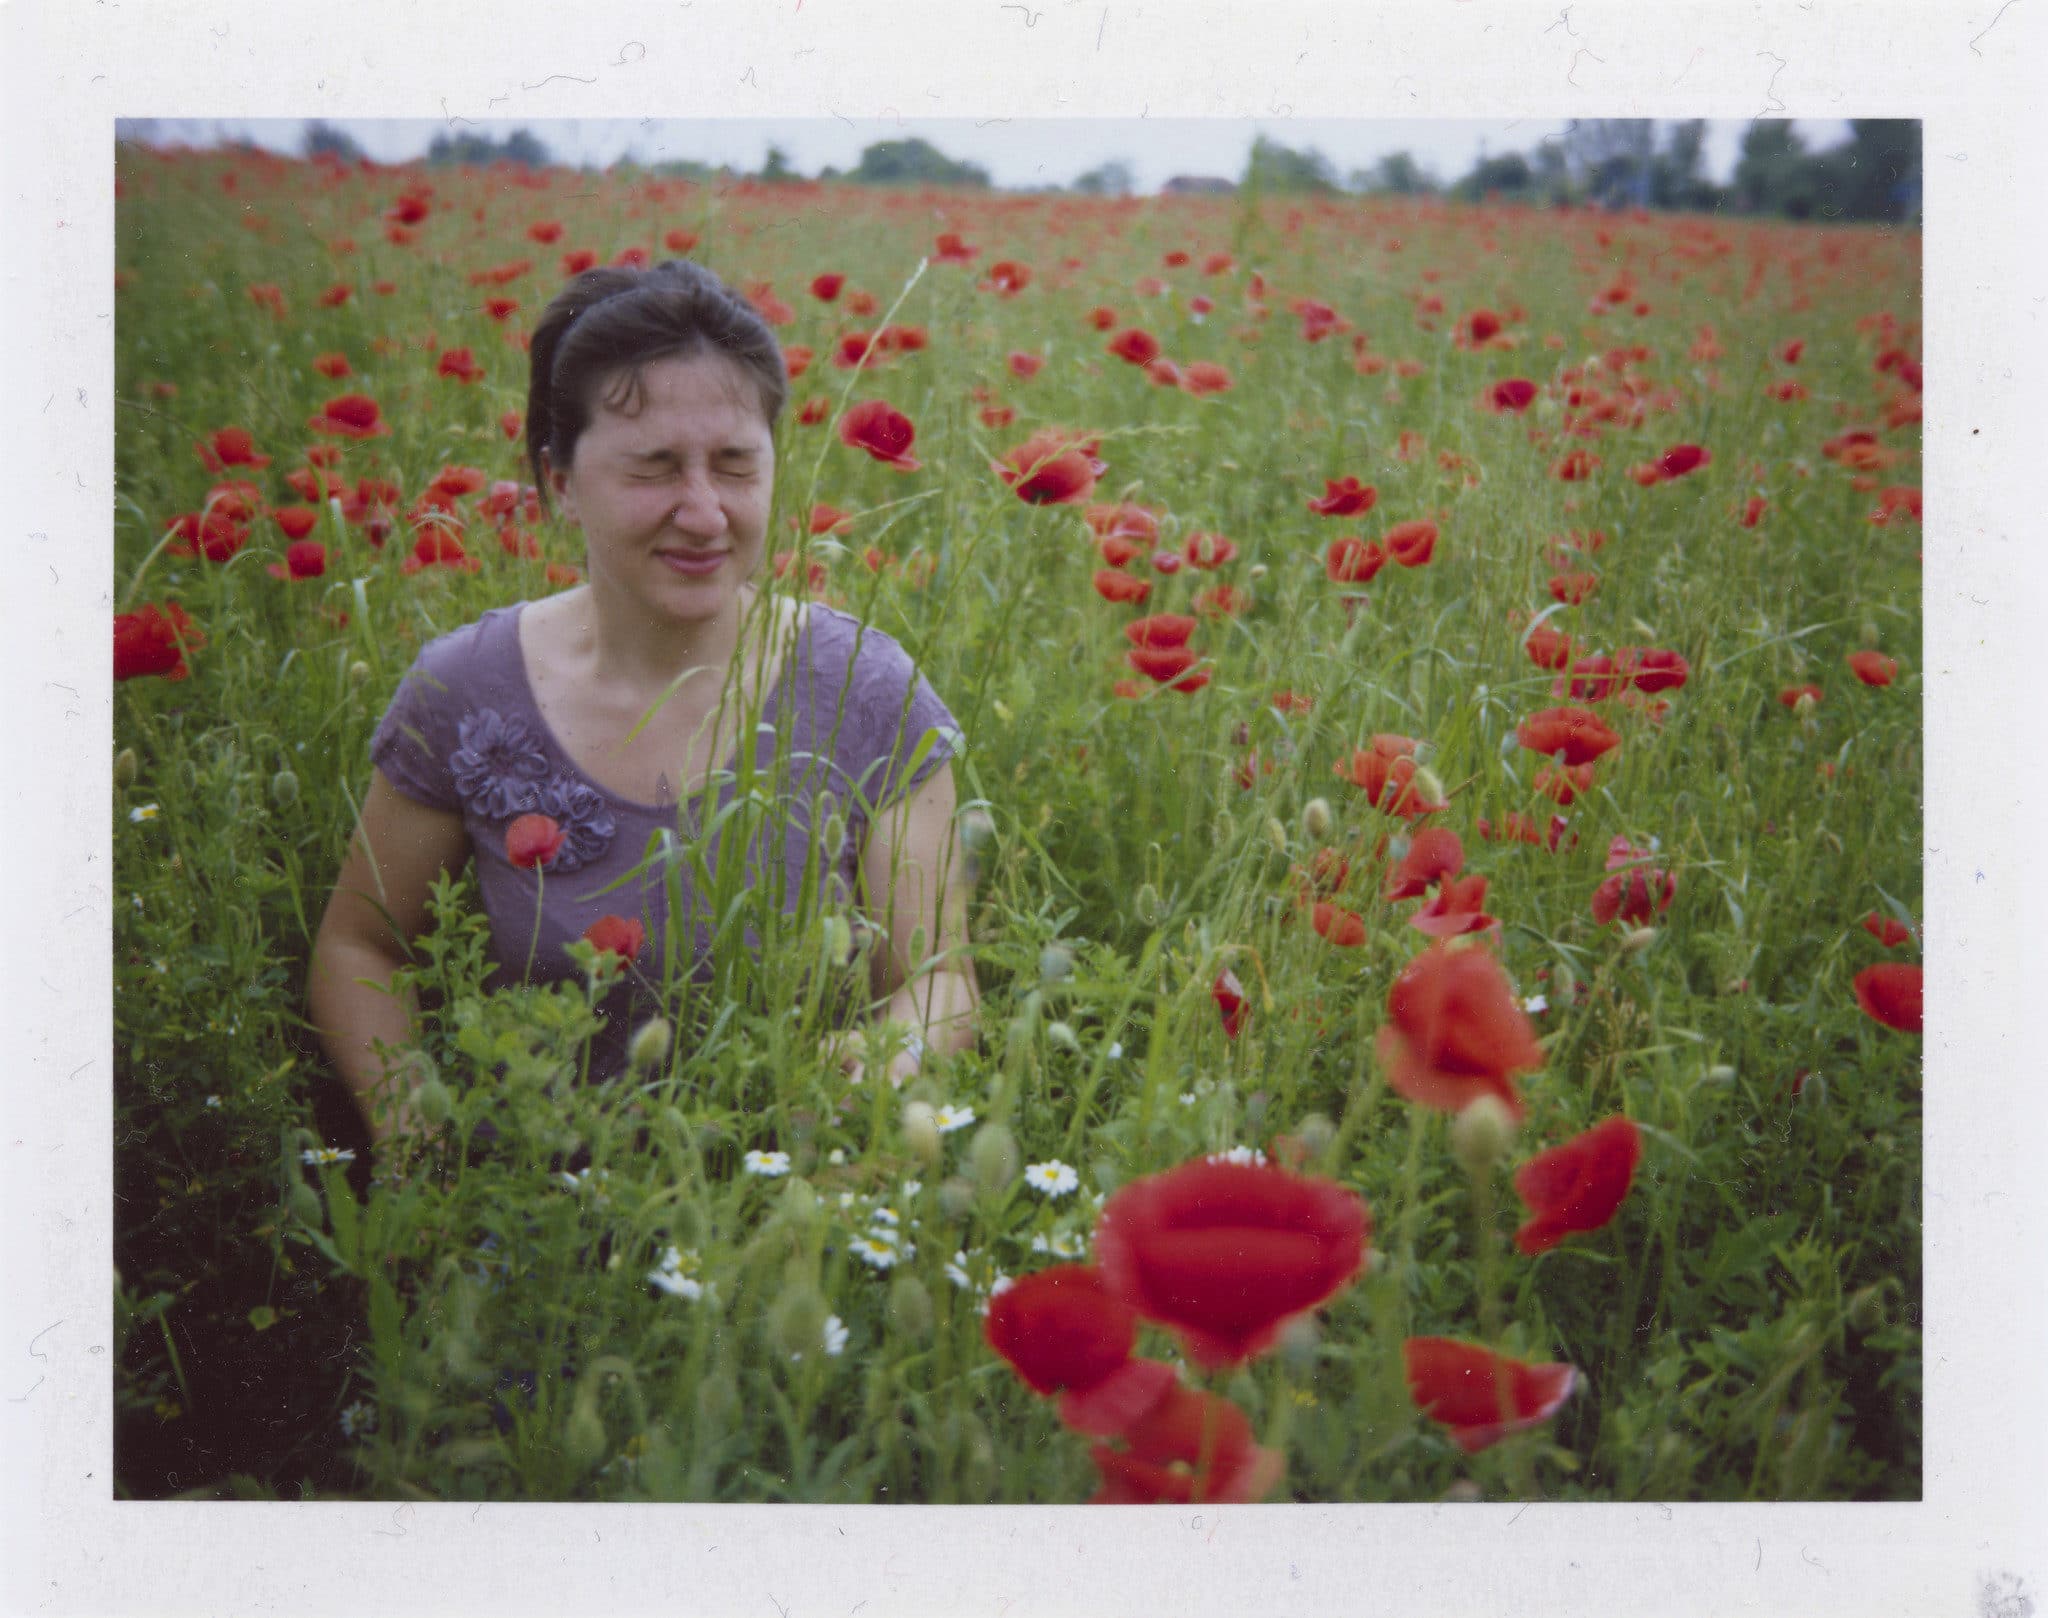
463,734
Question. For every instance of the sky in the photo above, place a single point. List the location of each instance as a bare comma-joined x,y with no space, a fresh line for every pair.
1017,153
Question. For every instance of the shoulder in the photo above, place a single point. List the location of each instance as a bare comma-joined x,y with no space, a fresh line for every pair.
838,642
464,660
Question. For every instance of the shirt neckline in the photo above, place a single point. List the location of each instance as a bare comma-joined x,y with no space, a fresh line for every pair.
771,711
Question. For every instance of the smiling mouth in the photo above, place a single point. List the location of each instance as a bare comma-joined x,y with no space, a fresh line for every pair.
692,561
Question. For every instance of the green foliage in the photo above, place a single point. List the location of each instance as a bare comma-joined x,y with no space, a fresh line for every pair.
914,161
1272,167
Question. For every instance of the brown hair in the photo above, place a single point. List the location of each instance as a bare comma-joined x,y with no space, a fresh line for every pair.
606,324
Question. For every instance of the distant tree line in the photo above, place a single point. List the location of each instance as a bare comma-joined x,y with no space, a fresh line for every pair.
1611,162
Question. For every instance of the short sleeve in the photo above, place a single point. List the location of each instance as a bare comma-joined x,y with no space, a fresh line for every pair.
417,734
904,731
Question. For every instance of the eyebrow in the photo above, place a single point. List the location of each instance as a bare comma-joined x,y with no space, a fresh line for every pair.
728,452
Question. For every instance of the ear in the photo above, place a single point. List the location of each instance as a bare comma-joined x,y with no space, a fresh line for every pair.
558,486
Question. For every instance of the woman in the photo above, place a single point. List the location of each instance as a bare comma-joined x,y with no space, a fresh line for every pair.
611,707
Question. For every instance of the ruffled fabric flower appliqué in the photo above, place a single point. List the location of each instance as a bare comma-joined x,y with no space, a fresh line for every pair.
498,765
584,816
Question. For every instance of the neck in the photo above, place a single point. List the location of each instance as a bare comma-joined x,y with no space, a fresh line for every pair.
631,650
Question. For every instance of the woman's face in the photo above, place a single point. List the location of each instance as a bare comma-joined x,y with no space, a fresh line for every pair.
673,496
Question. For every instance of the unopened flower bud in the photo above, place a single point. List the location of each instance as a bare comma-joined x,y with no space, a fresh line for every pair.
838,940
1316,819
1805,705
583,1437
921,1130
1276,834
432,1101
835,836
956,1197
1464,1492
126,768
1146,905
910,1308
1060,1034
284,789
796,1321
649,1045
1257,572
1866,1308
358,672
1813,1094
1428,787
1638,939
305,1205
1720,1074
1315,1132
1481,1134
992,1159
1055,963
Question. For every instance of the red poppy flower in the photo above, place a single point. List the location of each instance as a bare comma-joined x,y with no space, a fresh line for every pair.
1680,459
1168,665
826,519
1481,1396
544,231
1225,1254
1456,1032
1122,521
950,249
333,366
1292,702
1008,278
1433,854
1228,994
231,446
335,296
1579,1185
1575,467
1516,393
1341,927
1387,781
901,339
1578,733
1792,693
1592,679
1891,992
1163,373
1548,648
1161,630
1411,543
1114,586
1563,785
1653,669
1222,601
1887,930
1457,907
1573,588
350,415
1208,551
1135,346
296,521
459,363
1100,318
826,287
1203,377
501,309
214,534
1187,1448
1344,497
533,840
1873,668
1352,560
303,559
884,433
1051,468
154,640
1479,327
815,410
1637,896
616,935
1064,1332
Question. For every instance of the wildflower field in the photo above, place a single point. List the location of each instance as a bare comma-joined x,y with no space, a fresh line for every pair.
1442,787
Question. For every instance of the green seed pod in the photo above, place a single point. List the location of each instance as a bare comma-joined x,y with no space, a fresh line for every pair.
1481,1134
797,1207
358,673
1060,1034
1315,1132
306,1206
433,1102
284,789
838,940
1866,1308
1813,1094
910,1309
835,836
126,768
796,1322
921,1131
1055,964
992,1159
956,1197
1146,905
650,1045
583,1436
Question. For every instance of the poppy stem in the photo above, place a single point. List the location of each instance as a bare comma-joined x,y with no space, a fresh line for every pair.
1486,1236
1205,1451
540,888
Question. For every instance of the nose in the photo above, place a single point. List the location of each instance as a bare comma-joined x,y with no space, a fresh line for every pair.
698,511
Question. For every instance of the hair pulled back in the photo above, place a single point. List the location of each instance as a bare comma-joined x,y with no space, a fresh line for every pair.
600,329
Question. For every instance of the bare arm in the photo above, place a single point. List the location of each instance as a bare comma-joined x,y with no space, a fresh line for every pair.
916,890
398,849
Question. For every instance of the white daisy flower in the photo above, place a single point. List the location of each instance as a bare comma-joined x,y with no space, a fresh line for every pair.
677,1275
358,1418
213,1101
1116,1049
144,811
769,1165
1060,1244
312,1156
835,1336
878,1250
1188,1098
836,1157
950,1118
1054,1178
1239,1154
1536,1003
885,1216
584,1179
912,1187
